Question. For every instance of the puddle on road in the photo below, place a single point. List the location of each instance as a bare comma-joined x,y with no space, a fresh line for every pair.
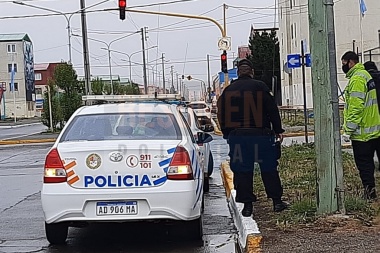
220,244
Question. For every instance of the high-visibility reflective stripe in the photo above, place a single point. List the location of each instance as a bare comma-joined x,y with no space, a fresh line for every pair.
351,125
372,129
367,78
358,94
371,102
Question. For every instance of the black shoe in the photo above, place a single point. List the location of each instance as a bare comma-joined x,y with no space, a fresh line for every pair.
247,210
280,206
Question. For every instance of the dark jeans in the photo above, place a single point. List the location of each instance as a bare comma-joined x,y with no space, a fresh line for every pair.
364,158
248,146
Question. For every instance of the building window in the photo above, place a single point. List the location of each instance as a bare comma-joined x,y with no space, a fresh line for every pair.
291,31
295,30
38,76
10,67
38,91
291,4
11,48
16,87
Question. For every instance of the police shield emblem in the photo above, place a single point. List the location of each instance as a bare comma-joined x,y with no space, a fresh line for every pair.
93,161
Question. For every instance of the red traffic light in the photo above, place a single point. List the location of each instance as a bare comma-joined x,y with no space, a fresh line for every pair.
122,3
224,57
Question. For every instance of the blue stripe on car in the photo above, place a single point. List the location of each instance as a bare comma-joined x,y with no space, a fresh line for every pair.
160,180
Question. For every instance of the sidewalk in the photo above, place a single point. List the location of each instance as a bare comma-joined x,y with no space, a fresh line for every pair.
9,123
35,138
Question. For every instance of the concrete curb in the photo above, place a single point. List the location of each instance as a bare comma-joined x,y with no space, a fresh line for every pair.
248,230
216,128
18,126
15,142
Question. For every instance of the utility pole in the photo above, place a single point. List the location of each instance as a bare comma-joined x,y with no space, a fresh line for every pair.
172,74
86,57
147,53
163,73
226,80
330,194
177,84
208,78
144,61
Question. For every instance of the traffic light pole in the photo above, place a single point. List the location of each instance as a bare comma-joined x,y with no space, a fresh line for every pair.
223,29
226,79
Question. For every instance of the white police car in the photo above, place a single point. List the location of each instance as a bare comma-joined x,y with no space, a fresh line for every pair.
123,162
207,157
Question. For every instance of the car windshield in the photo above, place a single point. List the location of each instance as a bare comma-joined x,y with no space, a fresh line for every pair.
128,126
197,106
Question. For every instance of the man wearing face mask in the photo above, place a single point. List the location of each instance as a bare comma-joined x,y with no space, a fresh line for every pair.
361,119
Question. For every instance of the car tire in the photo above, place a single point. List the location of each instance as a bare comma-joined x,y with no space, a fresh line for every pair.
195,229
56,233
210,168
206,184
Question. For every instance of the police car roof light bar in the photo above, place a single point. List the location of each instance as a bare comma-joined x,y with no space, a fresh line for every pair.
132,98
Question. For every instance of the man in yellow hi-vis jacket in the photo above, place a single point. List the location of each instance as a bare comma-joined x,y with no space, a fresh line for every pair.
361,119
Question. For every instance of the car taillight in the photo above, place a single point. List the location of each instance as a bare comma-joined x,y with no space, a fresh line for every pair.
54,169
180,166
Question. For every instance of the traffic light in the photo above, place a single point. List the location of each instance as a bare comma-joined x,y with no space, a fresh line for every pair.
122,6
223,59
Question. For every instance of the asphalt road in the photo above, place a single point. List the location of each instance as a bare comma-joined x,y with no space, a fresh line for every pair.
21,217
21,131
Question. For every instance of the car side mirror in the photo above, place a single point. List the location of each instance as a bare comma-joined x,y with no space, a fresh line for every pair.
203,138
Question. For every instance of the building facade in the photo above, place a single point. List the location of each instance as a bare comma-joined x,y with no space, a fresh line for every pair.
294,27
16,50
42,73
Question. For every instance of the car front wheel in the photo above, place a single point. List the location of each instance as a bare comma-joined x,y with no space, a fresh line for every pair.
206,184
210,168
56,233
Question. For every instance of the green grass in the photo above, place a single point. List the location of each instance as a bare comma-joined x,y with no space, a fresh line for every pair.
298,173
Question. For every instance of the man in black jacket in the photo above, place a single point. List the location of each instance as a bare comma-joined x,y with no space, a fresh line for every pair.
371,67
247,113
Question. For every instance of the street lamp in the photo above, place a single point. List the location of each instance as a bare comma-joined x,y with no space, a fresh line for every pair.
129,59
108,45
67,17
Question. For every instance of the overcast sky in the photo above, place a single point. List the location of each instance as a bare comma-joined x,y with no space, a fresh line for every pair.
180,39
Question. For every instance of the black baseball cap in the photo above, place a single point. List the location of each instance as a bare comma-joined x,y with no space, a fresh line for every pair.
245,62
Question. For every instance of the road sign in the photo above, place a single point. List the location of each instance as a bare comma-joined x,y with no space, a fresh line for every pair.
294,61
224,43
308,60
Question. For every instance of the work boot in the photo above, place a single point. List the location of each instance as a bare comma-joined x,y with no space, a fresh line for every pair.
247,210
279,205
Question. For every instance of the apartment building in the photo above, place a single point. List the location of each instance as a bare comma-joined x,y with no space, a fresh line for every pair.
16,50
294,27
